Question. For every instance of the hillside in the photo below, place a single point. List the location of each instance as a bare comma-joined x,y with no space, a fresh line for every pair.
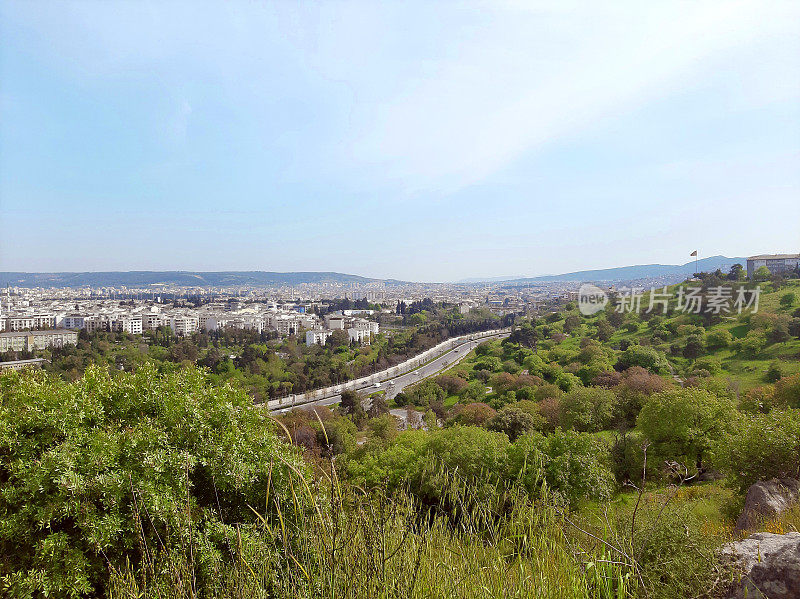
673,272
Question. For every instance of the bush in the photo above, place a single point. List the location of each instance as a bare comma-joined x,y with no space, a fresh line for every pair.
575,465
774,373
515,422
474,414
93,469
787,391
682,424
718,339
646,357
587,409
761,447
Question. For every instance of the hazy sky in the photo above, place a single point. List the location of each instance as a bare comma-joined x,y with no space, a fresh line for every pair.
424,141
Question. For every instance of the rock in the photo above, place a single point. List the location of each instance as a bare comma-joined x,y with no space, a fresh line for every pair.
768,564
766,499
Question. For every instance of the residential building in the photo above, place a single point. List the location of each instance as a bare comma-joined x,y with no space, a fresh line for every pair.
360,335
30,340
318,337
775,263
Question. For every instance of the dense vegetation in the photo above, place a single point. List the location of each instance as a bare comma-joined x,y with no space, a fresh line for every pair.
580,457
269,367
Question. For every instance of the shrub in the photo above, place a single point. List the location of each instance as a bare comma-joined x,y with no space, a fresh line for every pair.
514,422
718,339
474,414
587,409
787,391
92,468
774,373
761,447
453,385
575,465
682,424
646,357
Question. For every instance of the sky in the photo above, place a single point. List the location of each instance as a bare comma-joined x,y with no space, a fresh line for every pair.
425,141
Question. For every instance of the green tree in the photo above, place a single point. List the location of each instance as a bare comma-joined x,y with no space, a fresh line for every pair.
760,447
718,339
646,357
513,422
351,404
575,465
788,299
737,273
762,274
95,470
682,424
694,348
587,409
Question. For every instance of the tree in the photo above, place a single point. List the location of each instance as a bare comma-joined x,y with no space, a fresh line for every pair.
646,357
682,424
473,414
787,391
718,339
513,422
352,406
571,322
587,409
378,406
575,465
525,335
779,332
737,273
615,318
96,470
762,274
693,348
788,299
760,447
604,330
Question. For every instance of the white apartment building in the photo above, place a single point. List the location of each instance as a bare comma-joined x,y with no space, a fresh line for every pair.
151,321
131,325
318,337
18,323
31,340
360,335
73,321
184,325
26,322
366,325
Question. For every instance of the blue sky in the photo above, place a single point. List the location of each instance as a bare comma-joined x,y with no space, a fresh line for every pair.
421,141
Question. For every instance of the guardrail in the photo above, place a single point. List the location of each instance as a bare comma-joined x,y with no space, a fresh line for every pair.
389,373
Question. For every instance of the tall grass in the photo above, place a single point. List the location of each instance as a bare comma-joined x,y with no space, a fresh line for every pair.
356,544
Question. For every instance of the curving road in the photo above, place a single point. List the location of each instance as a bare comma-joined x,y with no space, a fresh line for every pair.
394,384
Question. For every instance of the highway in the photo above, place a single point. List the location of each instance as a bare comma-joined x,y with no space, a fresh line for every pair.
394,385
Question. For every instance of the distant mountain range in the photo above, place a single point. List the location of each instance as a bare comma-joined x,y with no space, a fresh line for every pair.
257,278
143,278
668,272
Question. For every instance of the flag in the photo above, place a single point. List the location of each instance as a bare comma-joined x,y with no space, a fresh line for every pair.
694,253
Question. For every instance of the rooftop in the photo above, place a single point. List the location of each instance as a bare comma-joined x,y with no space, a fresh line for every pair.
773,256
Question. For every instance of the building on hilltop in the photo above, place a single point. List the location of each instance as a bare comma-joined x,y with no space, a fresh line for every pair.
775,263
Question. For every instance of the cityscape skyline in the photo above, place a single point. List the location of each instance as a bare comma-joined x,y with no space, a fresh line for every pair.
416,142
